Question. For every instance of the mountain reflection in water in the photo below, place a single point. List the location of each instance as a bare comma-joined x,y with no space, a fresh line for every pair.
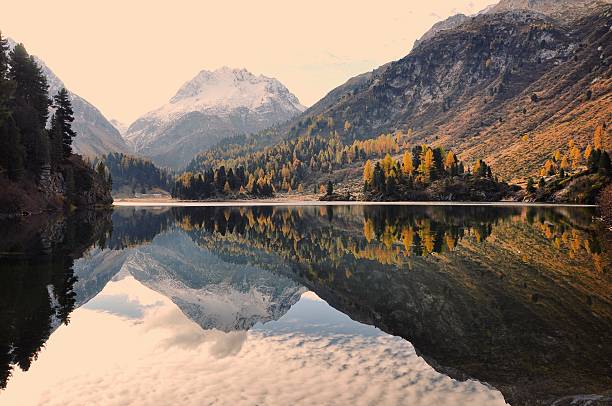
518,298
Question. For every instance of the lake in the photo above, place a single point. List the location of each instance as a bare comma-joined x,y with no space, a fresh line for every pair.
333,304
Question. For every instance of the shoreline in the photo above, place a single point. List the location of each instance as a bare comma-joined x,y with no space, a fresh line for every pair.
286,202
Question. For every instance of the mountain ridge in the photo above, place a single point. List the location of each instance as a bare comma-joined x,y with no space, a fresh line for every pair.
211,106
96,136
471,87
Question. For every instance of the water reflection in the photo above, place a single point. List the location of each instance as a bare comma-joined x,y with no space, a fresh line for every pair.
518,298
37,281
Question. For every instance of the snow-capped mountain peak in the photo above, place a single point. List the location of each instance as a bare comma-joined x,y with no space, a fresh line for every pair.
211,106
226,89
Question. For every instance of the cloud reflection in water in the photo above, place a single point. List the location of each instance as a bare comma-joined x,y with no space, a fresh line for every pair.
313,353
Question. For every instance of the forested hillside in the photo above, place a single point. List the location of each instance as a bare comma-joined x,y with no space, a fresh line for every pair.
509,88
38,170
131,175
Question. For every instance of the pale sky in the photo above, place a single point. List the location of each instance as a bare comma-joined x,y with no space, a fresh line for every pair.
128,57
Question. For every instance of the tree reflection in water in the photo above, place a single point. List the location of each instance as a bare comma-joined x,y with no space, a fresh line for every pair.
518,297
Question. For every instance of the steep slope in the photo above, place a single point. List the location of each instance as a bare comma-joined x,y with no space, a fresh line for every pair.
95,134
566,9
120,126
444,25
208,108
479,87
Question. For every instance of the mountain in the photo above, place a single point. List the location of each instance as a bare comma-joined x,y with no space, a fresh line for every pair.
211,290
208,108
448,24
95,134
479,84
120,126
556,8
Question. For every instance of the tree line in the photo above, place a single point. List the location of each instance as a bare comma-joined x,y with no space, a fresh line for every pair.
287,165
417,169
137,175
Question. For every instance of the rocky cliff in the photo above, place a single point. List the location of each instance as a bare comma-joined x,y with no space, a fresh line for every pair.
485,82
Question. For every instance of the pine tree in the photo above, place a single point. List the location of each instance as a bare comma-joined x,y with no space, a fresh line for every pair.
64,117
330,188
11,149
604,164
530,185
56,146
30,107
6,86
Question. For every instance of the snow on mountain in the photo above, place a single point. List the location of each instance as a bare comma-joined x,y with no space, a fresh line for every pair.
211,106
214,293
95,134
120,126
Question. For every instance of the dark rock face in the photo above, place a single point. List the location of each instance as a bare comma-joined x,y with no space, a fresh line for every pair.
73,185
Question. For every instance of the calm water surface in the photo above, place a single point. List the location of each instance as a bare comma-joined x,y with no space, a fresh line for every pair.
311,305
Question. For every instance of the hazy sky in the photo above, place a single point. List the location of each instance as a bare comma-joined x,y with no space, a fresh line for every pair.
129,57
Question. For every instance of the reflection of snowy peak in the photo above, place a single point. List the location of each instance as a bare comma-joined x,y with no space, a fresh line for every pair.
209,107
213,293
95,134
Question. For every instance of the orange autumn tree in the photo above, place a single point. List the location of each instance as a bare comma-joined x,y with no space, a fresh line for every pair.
407,165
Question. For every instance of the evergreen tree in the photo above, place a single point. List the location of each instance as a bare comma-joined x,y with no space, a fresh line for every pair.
11,149
30,107
330,188
604,164
56,146
541,183
64,116
6,86
530,185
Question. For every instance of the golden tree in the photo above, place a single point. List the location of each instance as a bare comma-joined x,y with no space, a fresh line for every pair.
565,163
407,166
368,172
427,162
387,164
450,160
597,136
575,156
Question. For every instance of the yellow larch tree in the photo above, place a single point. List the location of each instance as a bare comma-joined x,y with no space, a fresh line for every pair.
368,172
575,156
450,160
407,166
597,137
588,151
565,163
